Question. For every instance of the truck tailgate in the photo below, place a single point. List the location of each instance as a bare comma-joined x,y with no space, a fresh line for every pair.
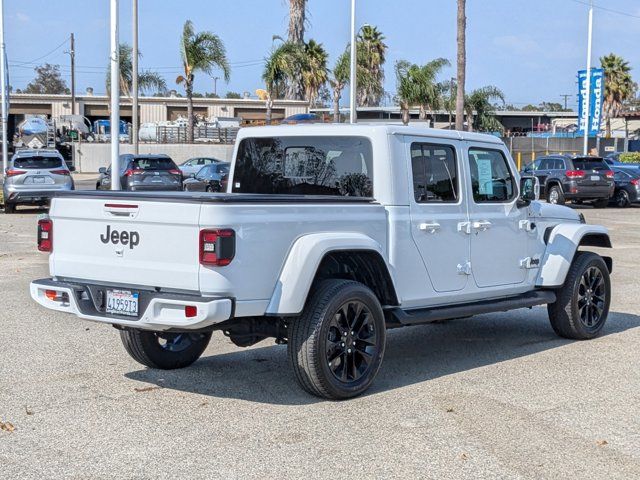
126,241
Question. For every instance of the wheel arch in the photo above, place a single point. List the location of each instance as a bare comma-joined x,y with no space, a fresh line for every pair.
562,245
316,257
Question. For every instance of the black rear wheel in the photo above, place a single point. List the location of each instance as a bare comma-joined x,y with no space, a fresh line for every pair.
164,350
555,195
337,345
622,198
9,207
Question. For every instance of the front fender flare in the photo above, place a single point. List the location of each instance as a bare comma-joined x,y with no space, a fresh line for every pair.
301,265
562,244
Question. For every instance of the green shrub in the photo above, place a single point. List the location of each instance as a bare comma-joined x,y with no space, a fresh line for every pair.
630,157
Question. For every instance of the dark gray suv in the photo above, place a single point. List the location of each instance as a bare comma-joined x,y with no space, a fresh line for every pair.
577,178
144,173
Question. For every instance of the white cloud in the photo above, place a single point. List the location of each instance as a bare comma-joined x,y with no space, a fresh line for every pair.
23,17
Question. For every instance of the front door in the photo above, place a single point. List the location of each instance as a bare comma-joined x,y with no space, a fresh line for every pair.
439,212
498,237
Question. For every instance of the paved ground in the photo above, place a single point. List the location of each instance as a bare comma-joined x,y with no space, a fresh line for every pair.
498,396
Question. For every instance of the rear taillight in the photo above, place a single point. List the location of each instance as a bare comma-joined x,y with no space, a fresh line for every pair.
635,182
131,171
217,247
61,172
173,171
13,173
609,174
45,235
575,174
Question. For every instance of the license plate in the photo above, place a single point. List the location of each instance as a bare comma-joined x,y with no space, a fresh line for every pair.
122,302
595,178
38,179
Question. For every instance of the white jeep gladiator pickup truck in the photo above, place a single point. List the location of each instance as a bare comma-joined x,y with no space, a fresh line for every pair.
327,236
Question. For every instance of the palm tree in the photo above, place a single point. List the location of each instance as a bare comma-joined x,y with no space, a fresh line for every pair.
297,19
462,64
480,102
371,55
147,79
417,85
290,62
200,52
339,80
619,86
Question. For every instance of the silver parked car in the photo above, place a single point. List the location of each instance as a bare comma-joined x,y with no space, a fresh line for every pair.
193,165
32,175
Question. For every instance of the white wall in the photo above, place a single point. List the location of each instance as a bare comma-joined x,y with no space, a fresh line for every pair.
89,157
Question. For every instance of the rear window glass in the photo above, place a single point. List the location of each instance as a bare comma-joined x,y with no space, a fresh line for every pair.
153,163
37,162
316,165
221,167
589,164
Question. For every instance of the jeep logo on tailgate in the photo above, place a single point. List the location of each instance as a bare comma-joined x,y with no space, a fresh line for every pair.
125,238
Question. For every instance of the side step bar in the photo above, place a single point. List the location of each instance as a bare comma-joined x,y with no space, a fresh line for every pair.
427,315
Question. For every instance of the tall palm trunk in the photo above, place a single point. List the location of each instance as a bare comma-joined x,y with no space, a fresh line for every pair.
462,64
336,104
297,13
189,91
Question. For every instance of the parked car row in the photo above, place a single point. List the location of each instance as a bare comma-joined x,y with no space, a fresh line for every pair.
152,172
586,179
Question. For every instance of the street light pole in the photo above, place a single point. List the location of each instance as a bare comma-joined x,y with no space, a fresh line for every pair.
215,86
352,80
3,81
72,54
115,98
587,102
134,86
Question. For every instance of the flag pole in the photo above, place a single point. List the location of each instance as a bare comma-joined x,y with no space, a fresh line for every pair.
3,86
352,98
587,103
115,98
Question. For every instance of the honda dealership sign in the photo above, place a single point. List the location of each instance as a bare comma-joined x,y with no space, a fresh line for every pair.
595,101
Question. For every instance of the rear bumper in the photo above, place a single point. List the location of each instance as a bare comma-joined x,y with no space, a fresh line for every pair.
158,311
577,192
155,188
20,196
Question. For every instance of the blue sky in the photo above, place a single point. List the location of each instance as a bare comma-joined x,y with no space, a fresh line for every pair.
529,49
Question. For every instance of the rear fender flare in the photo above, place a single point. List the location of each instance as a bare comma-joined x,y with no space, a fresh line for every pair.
562,245
300,267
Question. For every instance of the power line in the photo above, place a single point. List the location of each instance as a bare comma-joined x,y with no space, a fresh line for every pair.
46,54
606,9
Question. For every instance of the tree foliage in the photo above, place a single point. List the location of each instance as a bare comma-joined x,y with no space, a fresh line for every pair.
481,111
619,86
148,81
418,86
371,56
47,81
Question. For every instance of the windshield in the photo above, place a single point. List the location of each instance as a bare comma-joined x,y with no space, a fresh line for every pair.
589,164
314,165
153,164
37,162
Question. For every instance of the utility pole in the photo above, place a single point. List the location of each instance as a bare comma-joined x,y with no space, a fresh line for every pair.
587,104
566,96
352,73
134,86
215,85
3,82
72,54
115,98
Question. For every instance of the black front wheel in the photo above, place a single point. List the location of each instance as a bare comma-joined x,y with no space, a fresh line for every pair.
555,195
602,203
337,345
582,303
622,199
9,207
163,350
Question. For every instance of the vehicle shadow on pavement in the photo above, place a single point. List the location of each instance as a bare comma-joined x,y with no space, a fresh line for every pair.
413,355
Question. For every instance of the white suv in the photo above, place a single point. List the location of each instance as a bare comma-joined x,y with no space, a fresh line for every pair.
328,235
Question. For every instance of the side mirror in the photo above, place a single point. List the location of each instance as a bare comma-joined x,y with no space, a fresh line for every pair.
529,189
193,175
72,168
102,170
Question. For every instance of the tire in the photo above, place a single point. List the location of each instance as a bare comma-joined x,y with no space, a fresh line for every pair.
555,195
165,351
209,189
622,199
602,203
567,318
9,208
324,364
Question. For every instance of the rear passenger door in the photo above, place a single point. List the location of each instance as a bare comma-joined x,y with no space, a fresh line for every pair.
498,239
438,212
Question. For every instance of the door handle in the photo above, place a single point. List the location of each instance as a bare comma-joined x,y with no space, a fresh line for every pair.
482,225
429,227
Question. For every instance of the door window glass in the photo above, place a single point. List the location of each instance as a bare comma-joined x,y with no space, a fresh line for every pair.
435,176
491,178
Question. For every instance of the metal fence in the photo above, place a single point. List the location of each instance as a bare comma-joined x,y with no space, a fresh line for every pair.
204,133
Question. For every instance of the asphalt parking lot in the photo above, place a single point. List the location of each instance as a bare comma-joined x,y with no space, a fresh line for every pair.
497,396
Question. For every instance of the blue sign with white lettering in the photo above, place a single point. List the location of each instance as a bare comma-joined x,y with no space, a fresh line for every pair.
595,101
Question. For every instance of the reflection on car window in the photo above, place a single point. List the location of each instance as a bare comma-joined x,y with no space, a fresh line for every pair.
491,178
37,162
434,173
316,165
153,163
